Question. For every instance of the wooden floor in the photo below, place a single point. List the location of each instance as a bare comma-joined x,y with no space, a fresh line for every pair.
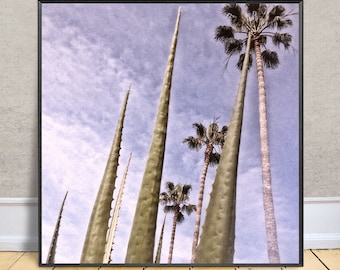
313,260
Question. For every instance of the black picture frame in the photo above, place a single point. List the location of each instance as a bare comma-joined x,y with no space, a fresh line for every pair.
104,72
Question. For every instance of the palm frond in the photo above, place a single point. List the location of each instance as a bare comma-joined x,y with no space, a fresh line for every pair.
232,9
239,64
200,129
262,11
212,130
214,159
188,208
234,12
170,186
180,218
177,191
193,143
284,39
281,23
219,139
164,198
186,189
276,11
286,23
277,18
163,194
233,46
263,40
224,130
270,59
169,209
223,33
252,9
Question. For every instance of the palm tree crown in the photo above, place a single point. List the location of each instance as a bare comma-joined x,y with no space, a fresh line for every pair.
210,137
176,201
258,22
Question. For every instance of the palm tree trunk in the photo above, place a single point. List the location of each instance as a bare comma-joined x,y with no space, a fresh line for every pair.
218,234
142,237
207,154
53,246
94,245
173,233
270,222
115,215
160,243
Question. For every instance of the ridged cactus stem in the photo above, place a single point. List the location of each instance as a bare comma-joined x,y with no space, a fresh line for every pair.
94,245
218,235
142,237
115,215
53,246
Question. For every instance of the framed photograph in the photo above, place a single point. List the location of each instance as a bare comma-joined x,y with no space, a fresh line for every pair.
170,133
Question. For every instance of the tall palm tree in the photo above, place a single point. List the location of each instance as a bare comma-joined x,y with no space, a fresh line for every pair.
258,22
160,243
176,200
95,239
142,236
218,234
209,138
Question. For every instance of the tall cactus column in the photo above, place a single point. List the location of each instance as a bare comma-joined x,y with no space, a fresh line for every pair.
95,240
218,234
142,237
115,215
53,246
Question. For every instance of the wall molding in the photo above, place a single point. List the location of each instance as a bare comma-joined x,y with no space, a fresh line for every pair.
321,222
18,201
19,223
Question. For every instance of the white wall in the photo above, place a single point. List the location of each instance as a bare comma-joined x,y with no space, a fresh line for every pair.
322,222
19,224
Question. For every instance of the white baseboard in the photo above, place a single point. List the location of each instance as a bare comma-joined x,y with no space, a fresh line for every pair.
19,221
322,222
19,224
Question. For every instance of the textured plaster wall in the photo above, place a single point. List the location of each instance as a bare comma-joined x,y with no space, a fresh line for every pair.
19,98
321,98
